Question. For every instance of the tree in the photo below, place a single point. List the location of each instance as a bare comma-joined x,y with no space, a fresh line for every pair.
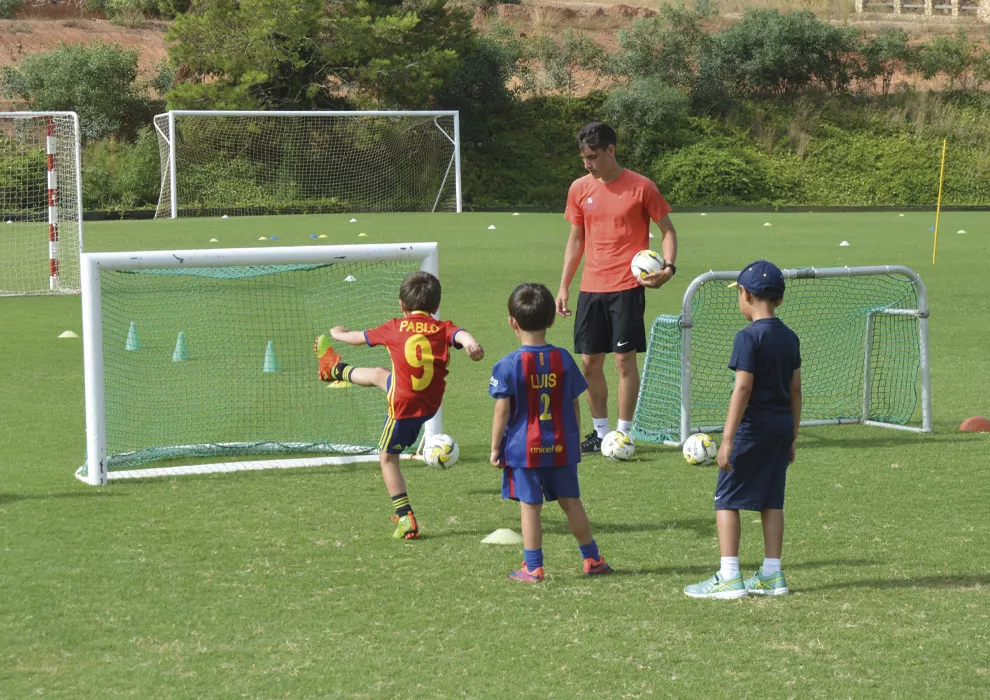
664,47
99,81
954,57
882,55
307,54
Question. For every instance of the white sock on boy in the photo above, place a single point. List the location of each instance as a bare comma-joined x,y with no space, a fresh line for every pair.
730,568
770,566
601,426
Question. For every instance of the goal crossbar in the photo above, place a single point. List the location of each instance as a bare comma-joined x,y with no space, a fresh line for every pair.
94,265
686,326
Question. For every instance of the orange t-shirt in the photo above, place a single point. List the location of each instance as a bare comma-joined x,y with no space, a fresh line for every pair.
616,220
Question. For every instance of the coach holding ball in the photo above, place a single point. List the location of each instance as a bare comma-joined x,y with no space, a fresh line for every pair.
610,210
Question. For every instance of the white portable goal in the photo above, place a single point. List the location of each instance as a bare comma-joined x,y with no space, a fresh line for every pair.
40,203
208,354
864,348
218,162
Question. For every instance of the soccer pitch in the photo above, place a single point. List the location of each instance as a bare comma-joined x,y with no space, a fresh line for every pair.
288,584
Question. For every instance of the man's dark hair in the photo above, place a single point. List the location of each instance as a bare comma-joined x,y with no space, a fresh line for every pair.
596,135
532,306
420,291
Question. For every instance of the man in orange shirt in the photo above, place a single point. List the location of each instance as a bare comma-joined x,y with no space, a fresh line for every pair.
610,210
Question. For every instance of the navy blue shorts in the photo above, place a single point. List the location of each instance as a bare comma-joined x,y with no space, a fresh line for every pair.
399,434
537,485
759,472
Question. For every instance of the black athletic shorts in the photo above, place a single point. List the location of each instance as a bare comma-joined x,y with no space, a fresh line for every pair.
610,322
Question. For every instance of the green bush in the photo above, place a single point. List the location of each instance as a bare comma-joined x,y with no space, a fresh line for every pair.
9,7
721,174
648,116
118,175
99,81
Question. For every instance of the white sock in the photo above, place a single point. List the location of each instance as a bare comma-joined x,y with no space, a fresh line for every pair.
730,568
770,566
624,426
601,426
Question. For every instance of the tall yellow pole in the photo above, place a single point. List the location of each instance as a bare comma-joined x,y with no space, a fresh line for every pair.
938,206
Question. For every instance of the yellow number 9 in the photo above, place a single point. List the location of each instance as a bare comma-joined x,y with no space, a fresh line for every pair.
422,359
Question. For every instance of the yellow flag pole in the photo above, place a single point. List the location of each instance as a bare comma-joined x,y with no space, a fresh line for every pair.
938,206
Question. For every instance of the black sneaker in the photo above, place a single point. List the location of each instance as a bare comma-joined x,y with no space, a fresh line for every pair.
592,444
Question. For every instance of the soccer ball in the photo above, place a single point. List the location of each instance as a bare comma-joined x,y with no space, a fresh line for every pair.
618,446
699,449
441,451
646,262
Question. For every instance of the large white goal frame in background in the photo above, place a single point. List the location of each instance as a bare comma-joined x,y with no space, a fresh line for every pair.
229,162
864,344
193,263
40,203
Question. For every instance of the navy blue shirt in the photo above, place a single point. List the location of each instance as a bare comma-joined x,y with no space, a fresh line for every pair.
771,352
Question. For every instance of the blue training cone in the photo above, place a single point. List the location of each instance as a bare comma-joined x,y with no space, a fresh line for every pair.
271,362
133,341
181,352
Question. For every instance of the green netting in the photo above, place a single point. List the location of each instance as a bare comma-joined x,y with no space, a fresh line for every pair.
831,316
220,401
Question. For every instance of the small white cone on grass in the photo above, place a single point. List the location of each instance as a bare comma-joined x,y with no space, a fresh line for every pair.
651,235
323,235
492,227
961,231
503,536
515,213
900,215
704,214
352,221
845,244
768,224
365,235
68,334
262,239
9,221
214,240
224,216
350,278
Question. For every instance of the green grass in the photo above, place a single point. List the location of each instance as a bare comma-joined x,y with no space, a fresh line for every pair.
287,584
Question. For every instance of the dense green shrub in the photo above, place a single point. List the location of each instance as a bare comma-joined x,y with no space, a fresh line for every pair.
9,7
99,81
648,116
663,48
118,175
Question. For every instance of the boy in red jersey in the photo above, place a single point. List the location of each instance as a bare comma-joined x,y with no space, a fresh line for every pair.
536,431
418,346
610,210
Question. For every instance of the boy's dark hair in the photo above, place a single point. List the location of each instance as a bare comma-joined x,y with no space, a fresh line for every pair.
420,291
596,135
532,306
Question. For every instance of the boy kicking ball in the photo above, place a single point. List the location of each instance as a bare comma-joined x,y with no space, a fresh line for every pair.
536,432
760,435
419,347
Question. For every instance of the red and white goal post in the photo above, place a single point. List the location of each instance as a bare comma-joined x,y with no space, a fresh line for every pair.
40,203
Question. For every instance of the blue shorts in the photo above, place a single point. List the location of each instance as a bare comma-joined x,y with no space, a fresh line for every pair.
399,434
759,472
537,485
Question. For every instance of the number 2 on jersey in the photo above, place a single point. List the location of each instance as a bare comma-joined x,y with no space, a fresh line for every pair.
545,403
423,359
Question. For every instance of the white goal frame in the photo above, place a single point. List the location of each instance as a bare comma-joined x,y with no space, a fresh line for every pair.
169,166
57,283
686,323
93,264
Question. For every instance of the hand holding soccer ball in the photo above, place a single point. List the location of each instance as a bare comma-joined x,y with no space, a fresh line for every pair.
648,268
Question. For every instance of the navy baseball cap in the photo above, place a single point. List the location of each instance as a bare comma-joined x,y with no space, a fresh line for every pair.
763,279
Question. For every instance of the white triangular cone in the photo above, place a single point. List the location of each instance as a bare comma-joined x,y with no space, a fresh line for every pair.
768,224
845,244
651,235
68,334
214,240
503,536
350,278
515,213
352,221
704,214
900,215
961,231
224,216
492,227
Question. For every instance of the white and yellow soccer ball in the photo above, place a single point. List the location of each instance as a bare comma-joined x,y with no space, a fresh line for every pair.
699,449
646,262
618,446
441,451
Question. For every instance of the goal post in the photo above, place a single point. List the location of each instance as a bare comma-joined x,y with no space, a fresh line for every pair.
227,162
207,354
40,203
864,348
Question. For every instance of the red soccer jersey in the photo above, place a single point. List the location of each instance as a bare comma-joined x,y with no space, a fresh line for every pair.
419,347
616,220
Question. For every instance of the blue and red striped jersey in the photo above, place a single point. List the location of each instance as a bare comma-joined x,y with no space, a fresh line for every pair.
542,382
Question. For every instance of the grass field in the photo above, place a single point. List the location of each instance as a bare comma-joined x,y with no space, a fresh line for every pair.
288,584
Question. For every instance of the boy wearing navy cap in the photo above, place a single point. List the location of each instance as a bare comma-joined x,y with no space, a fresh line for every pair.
759,437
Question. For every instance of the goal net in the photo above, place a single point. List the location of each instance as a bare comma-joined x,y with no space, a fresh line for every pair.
209,354
40,203
217,163
864,352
